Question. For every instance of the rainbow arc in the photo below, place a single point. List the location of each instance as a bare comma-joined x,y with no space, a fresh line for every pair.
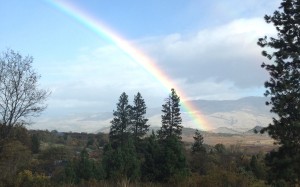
133,52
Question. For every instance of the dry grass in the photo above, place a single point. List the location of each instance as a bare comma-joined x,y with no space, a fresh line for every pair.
252,143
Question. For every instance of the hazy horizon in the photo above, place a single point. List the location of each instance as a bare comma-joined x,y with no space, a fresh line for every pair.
208,49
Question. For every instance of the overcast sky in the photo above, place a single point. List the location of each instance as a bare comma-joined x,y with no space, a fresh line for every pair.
208,47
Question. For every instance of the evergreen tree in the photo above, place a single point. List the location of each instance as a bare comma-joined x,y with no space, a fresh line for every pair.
121,163
70,172
199,157
257,167
35,148
119,125
173,167
171,118
84,167
197,146
152,159
283,88
139,125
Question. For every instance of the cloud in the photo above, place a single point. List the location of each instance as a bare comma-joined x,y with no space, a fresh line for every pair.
215,63
225,53
94,80
221,62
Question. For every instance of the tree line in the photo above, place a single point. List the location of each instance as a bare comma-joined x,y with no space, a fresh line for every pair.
129,155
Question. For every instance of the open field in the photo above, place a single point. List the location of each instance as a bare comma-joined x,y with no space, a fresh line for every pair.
251,143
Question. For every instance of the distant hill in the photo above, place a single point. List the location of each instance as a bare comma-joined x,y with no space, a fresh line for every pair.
251,104
235,115
226,130
255,130
225,136
229,116
191,131
224,116
185,131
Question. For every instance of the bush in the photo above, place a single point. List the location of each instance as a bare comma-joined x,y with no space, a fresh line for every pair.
27,179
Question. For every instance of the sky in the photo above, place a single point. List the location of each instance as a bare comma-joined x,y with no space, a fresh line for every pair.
206,47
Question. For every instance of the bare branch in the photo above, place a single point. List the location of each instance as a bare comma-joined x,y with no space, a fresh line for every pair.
20,97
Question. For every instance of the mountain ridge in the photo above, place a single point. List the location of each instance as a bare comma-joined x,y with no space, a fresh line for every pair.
240,115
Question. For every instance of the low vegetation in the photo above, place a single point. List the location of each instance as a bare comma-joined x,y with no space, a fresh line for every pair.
126,156
81,159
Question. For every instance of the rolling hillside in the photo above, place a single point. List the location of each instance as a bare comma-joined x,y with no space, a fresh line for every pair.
219,116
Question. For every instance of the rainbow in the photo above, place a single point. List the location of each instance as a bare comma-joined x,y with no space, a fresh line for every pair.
139,57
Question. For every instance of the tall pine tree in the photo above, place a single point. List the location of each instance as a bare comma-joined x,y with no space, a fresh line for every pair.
118,134
197,146
283,89
171,118
122,162
173,165
139,126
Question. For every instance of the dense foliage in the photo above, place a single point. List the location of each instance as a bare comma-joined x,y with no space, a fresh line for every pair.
171,118
198,143
283,88
119,129
43,158
139,125
68,159
129,155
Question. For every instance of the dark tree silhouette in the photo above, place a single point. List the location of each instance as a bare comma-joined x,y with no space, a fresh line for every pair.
171,118
121,163
35,141
139,124
119,125
283,88
197,146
